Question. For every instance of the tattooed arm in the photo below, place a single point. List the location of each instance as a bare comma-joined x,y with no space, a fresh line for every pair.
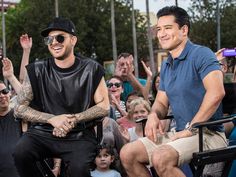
22,109
102,104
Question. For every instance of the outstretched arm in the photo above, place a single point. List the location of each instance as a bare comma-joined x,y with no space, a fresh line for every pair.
26,44
8,73
147,87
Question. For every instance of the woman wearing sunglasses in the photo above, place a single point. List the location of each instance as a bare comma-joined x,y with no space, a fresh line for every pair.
115,89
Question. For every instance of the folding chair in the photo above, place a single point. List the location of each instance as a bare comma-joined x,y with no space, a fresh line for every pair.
202,158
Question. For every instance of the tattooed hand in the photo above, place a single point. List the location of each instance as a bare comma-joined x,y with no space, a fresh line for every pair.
62,124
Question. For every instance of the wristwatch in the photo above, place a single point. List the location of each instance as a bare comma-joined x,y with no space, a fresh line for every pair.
194,131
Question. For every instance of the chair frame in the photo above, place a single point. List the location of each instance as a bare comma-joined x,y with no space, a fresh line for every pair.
203,158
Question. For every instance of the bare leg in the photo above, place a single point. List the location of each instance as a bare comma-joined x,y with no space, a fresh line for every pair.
165,161
134,157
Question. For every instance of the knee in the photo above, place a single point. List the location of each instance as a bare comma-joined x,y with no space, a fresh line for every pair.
126,154
164,157
158,160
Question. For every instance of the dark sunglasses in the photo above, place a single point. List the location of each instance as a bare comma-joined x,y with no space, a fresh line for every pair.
4,91
109,85
49,39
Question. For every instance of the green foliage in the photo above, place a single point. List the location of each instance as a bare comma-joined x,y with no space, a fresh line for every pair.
204,26
91,17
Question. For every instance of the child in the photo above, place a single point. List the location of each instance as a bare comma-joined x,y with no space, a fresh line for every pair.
104,163
126,121
139,108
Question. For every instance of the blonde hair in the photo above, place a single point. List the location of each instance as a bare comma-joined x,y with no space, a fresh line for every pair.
136,102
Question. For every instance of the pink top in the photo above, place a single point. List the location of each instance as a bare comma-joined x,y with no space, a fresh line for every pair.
126,123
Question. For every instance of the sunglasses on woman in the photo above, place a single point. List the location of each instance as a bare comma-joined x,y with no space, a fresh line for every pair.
4,91
49,39
117,85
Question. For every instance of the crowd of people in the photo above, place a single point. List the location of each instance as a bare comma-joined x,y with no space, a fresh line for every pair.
49,113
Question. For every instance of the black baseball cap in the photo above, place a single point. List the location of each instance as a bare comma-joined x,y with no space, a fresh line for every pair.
59,23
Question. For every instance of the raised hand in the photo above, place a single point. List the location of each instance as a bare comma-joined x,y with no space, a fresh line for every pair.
114,101
26,41
219,54
147,69
125,133
124,66
7,69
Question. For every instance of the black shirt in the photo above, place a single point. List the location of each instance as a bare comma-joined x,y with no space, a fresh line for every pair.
10,132
64,90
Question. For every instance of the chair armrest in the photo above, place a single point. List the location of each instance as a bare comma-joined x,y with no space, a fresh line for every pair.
144,119
225,119
200,125
141,120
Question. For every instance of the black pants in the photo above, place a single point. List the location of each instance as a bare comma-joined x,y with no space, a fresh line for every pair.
77,152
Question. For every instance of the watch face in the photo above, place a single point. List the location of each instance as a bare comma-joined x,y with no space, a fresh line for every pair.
194,131
187,125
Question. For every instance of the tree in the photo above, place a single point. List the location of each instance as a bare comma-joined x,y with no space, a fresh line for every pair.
203,30
92,20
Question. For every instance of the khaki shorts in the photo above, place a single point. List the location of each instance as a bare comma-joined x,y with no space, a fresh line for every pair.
186,146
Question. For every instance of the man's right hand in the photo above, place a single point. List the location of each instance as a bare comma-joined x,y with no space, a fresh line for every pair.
153,127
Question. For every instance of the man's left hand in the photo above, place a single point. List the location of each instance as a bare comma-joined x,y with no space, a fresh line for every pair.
181,134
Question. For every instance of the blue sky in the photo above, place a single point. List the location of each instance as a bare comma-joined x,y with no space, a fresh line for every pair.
155,5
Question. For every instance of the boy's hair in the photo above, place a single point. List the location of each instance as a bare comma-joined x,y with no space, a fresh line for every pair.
181,16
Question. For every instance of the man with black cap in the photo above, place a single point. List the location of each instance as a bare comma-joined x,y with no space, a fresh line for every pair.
61,97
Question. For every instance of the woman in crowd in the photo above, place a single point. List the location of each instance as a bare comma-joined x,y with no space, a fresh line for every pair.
115,88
